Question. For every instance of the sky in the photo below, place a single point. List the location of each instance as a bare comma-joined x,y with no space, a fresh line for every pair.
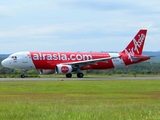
77,25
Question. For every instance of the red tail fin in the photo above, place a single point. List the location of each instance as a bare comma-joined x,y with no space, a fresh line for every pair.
135,47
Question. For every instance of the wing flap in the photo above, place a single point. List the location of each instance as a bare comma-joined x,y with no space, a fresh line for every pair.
87,62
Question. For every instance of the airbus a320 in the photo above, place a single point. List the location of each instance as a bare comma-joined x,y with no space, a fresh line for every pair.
69,62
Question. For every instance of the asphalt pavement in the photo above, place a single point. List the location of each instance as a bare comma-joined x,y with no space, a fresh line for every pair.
79,79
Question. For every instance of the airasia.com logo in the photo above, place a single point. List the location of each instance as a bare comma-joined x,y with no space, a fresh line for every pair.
61,56
64,69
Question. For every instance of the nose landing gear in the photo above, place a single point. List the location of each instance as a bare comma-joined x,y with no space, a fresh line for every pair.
23,74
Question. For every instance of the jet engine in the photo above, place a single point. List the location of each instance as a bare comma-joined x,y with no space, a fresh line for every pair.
63,69
47,71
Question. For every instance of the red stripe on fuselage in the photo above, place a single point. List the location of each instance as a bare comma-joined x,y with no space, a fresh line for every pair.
49,60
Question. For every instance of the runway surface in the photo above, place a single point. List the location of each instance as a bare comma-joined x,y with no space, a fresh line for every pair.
78,79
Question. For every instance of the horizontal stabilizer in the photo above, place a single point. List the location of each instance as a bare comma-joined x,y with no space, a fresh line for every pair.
136,58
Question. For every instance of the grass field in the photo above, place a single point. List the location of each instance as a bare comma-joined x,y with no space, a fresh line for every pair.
80,100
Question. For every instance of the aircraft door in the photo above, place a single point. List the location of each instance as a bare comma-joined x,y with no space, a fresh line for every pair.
25,58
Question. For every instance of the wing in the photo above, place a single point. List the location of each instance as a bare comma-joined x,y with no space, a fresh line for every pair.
87,62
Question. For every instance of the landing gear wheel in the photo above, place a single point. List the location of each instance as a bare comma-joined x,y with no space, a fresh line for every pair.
69,75
80,75
22,76
23,72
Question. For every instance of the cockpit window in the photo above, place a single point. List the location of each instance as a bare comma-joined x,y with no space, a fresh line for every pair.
14,57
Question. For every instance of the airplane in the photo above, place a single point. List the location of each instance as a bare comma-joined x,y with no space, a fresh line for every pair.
74,62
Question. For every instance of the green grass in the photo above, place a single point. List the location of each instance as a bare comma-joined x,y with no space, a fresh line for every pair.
80,100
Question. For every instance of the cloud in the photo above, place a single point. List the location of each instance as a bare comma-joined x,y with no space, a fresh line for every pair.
59,23
55,29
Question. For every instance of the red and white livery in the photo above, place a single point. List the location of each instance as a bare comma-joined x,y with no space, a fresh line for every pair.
68,62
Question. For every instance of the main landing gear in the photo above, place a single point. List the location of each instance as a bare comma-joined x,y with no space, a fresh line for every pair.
69,75
79,75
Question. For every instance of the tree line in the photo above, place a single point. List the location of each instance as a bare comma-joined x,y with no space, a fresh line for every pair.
140,68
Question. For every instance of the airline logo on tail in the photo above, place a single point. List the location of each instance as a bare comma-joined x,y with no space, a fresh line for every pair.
136,45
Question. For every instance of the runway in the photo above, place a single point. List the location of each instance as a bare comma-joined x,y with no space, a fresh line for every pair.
79,79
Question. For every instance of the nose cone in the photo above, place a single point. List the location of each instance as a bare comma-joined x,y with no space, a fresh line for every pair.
4,63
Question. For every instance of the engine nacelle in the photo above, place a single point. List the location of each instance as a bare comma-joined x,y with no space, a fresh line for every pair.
47,71
63,69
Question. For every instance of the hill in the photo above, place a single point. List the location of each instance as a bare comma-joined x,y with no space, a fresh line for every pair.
151,53
4,55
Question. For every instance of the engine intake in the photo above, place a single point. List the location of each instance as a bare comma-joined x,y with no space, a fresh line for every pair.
63,69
